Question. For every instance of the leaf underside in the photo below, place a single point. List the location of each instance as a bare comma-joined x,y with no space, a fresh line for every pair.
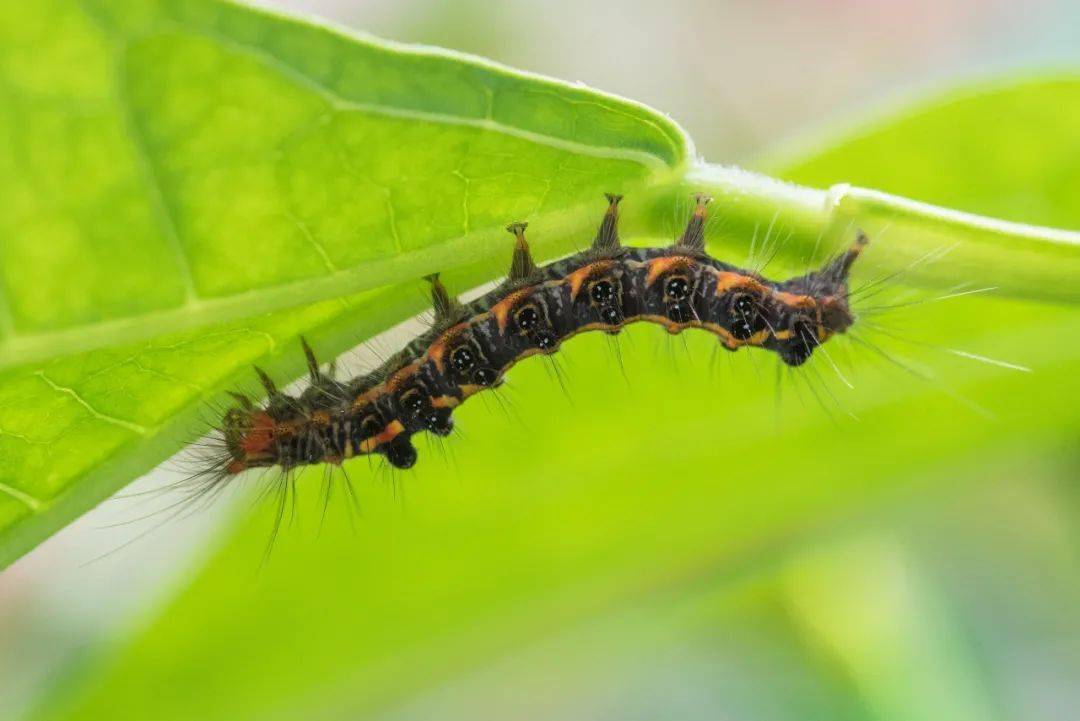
182,164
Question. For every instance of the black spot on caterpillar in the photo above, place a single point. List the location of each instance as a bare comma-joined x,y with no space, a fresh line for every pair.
471,346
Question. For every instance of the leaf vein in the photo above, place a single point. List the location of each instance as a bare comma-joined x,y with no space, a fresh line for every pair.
120,422
318,247
155,188
34,504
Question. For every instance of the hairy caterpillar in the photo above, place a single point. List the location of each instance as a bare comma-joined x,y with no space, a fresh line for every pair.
470,347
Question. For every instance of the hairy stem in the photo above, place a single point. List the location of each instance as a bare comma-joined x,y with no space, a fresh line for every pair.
1017,259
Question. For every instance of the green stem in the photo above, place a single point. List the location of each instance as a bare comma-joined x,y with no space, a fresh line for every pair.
932,245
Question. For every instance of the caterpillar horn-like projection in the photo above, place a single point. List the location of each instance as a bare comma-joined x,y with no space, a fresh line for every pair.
442,302
693,238
522,266
607,235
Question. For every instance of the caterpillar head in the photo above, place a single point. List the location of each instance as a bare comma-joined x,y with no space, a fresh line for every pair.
804,329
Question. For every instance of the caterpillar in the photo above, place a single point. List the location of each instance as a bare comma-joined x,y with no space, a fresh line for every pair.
470,347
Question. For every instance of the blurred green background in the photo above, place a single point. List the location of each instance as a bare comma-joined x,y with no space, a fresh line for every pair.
904,549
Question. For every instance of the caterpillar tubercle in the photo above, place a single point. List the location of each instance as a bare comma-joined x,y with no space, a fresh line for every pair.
471,346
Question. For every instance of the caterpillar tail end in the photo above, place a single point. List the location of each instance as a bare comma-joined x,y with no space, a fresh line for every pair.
249,436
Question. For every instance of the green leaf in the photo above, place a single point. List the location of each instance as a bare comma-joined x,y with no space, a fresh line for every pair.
207,162
630,488
181,164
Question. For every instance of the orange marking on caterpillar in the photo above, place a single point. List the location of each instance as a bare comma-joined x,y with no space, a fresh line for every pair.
584,273
756,340
401,375
437,350
365,398
392,430
470,389
501,310
445,402
793,300
727,280
660,266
